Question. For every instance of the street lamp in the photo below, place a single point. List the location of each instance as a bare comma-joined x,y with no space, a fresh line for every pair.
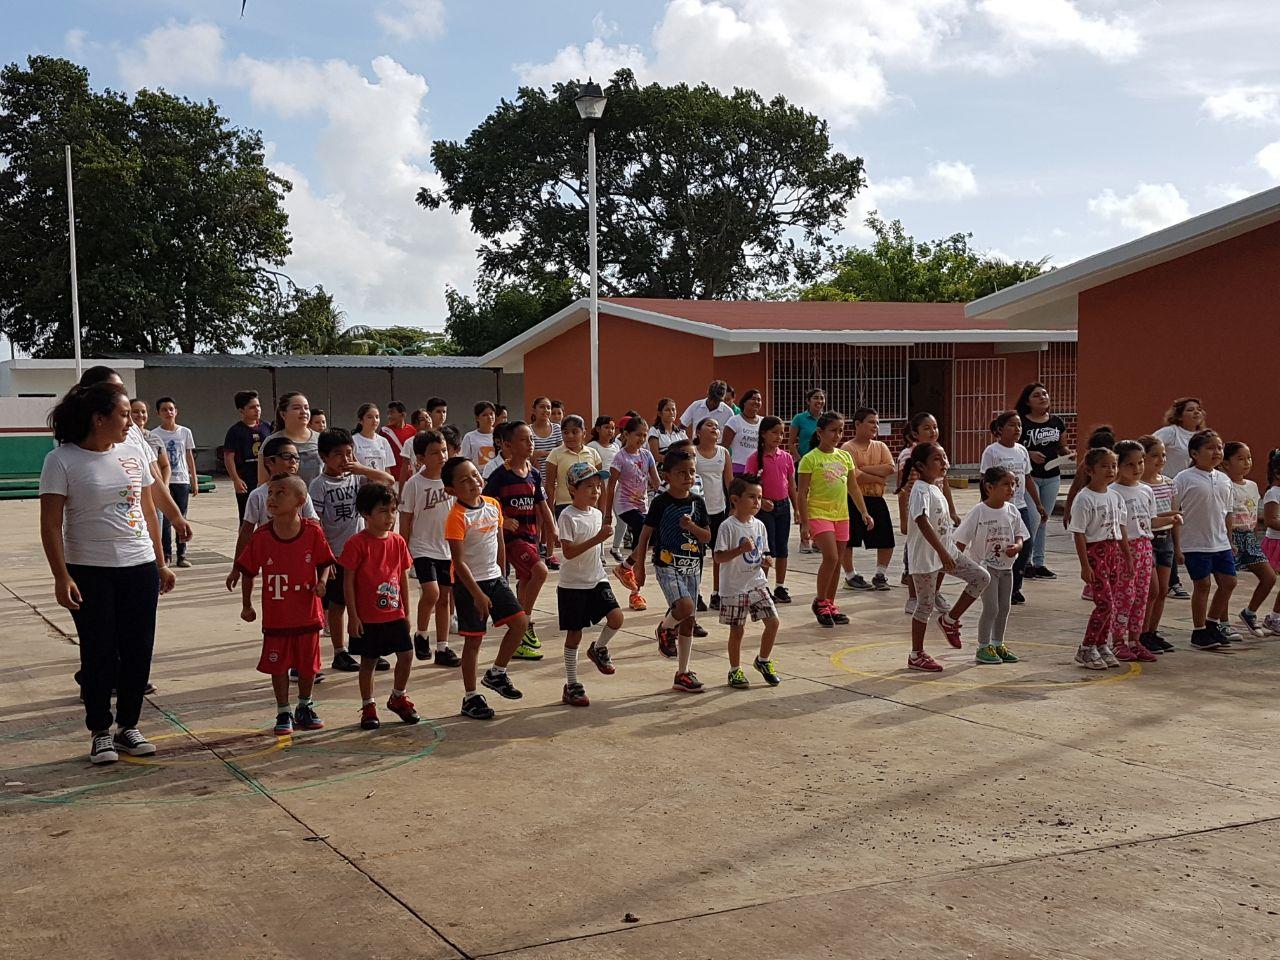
591,103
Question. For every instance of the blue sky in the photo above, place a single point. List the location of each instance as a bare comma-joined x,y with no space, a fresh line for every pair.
1045,127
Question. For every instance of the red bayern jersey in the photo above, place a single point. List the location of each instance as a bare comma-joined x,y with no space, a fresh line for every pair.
377,563
289,570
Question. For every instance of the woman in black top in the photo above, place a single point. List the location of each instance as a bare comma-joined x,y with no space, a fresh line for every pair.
1045,437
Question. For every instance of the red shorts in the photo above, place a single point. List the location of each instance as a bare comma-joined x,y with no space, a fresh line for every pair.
523,557
283,652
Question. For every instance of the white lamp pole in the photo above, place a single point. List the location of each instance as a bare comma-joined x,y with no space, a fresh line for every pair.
75,286
591,102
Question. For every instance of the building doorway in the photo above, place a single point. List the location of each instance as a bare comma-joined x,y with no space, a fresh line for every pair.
928,388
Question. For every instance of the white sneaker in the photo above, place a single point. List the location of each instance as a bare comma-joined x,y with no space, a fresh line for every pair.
453,624
102,749
1228,631
806,547
1107,655
1272,622
910,607
1089,658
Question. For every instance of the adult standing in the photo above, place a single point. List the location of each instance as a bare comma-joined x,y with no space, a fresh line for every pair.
98,529
547,434
1185,417
293,416
804,425
242,444
1045,437
742,432
713,405
666,429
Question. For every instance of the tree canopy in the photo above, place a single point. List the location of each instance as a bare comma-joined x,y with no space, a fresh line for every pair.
500,311
177,217
701,194
896,267
306,321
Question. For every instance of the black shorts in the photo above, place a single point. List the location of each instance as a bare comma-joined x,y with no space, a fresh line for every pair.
333,591
878,538
580,609
381,639
431,570
714,520
503,607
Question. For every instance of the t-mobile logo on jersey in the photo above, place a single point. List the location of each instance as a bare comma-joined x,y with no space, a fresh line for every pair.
278,585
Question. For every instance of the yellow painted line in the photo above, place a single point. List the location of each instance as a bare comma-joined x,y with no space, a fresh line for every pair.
205,756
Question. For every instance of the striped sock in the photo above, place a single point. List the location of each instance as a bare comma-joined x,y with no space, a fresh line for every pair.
570,665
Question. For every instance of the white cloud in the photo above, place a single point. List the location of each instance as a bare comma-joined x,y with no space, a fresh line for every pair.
1060,24
75,40
1226,192
1268,159
1250,104
946,180
174,55
412,19
1152,206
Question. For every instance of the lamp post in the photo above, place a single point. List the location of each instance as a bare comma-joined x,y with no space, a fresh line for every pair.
590,103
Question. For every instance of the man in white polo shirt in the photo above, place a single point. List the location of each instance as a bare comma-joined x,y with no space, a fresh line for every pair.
713,406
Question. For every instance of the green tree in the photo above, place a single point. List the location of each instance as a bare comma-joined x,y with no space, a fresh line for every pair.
898,268
177,216
700,194
500,311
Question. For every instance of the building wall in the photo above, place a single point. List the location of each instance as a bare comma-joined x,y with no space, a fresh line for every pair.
743,372
1206,325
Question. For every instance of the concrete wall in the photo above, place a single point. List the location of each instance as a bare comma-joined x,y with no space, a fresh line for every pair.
49,378
25,414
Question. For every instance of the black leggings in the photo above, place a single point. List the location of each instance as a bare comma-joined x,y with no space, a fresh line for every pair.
634,521
117,627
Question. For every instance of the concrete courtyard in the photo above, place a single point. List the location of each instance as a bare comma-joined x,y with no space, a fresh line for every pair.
858,810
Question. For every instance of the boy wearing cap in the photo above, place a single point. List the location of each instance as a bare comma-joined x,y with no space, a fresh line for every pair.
583,596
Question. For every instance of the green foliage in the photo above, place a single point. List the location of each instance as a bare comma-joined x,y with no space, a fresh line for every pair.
897,268
701,195
177,216
500,311
305,321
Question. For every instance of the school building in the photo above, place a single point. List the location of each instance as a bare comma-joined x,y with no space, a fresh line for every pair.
896,357
1191,310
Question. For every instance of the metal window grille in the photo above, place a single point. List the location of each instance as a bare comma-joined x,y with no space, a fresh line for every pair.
1058,374
978,394
852,375
932,351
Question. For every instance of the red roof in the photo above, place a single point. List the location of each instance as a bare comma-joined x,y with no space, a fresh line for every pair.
814,315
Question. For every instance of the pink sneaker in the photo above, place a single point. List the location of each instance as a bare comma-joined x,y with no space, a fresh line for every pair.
951,629
1141,653
1125,652
919,660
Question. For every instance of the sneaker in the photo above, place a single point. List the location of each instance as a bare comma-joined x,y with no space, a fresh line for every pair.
531,639
1215,629
880,582
575,695
782,595
151,688
1272,622
856,581
701,605
446,658
1252,622
1089,658
1148,641
1165,645
403,708
1203,639
1044,573
698,629
369,717
987,654
950,629
1142,654
475,707
284,724
1005,653
919,660
715,601
306,718
666,641
767,669
626,576
102,748
553,563
940,603
344,661
637,603
1030,572
1229,632
132,742
501,684
687,682
822,611
1016,598
1108,655
421,647
293,675
600,657
616,554
382,665
909,608
738,680
526,652
836,616
183,563
1178,593
806,547
1124,653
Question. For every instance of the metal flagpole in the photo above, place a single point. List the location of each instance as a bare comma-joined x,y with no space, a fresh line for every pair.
595,298
75,286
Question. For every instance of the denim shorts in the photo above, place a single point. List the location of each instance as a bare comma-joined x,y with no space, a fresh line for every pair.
677,585
1162,549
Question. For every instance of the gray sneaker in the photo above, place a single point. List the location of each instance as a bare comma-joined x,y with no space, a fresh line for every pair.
132,742
857,582
1252,622
880,582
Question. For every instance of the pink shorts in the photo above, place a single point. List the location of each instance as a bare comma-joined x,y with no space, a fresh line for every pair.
839,527
523,557
1271,550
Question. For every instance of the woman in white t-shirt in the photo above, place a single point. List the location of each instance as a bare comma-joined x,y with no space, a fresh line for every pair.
1007,452
370,445
666,429
742,432
98,528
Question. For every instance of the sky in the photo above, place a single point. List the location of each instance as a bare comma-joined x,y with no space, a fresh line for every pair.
1046,128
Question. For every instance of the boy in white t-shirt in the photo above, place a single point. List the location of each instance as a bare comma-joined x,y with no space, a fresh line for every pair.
424,507
583,596
740,549
180,447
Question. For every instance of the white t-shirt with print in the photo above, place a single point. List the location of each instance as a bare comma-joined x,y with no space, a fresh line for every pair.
697,411
103,524
585,570
711,478
135,438
375,452
1099,516
989,531
176,444
335,502
478,447
927,500
1140,509
746,438
255,507
606,452
1204,499
1271,496
430,505
1244,505
743,573
1017,460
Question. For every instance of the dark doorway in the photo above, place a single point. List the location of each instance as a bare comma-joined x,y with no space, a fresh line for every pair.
928,388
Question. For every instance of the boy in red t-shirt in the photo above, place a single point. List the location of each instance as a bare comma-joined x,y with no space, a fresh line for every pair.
376,562
297,563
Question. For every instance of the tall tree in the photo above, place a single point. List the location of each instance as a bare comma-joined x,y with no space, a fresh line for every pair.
500,311
701,194
177,216
896,267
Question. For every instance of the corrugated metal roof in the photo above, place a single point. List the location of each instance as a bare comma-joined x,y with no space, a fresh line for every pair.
280,361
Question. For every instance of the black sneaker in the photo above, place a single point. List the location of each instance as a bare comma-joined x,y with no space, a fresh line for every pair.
1044,573
1165,645
284,724
837,617
880,582
150,689
475,707
501,684
667,641
1215,628
1149,641
1017,597
132,742
421,647
821,610
701,604
383,665
715,601
698,629
293,675
102,748
344,661
781,594
553,563
306,718
1203,639
1178,593
857,582
447,658
600,657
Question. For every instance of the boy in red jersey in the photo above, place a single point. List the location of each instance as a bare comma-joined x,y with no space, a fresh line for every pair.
296,563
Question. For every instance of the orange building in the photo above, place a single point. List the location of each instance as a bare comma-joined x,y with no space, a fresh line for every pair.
896,357
1191,310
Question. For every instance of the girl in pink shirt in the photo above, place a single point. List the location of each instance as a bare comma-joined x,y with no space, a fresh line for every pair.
777,472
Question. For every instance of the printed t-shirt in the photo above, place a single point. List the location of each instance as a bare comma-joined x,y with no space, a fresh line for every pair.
927,501
1017,461
698,411
136,439
563,458
746,439
1244,505
828,483
1099,516
519,498
102,521
1140,509
875,454
775,479
710,472
1044,439
378,563
244,443
478,447
673,546
334,499
606,451
989,531
374,452
1162,490
176,444
255,508
578,526
477,529
743,572
1271,496
633,479
289,570
430,505
1204,499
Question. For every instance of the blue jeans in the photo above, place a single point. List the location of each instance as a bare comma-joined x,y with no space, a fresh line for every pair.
1047,487
181,493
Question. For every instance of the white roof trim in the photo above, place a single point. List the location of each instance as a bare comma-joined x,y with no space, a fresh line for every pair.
1162,246
69,363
